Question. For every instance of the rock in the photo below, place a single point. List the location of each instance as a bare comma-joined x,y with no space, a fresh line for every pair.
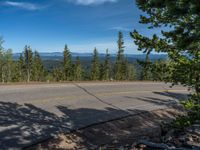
121,148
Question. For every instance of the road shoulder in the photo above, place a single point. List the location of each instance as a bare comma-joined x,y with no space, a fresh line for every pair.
114,133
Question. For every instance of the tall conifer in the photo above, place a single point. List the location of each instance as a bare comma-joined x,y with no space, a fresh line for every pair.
95,66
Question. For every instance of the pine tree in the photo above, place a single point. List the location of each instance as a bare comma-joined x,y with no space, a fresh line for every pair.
120,58
1,58
146,65
106,67
15,72
22,69
101,71
95,66
78,72
67,64
7,67
160,70
57,74
124,69
38,68
28,58
131,72
180,41
6,63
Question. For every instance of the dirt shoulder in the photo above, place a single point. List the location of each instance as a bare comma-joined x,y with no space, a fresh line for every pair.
114,133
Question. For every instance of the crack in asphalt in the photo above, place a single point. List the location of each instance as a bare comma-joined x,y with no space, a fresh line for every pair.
99,99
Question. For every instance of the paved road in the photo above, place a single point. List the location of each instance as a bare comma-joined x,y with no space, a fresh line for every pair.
29,113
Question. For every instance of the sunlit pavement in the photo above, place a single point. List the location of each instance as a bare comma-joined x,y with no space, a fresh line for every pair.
30,113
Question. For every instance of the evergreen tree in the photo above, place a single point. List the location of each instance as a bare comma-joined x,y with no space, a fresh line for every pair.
21,67
95,74
131,72
67,64
15,72
124,70
1,43
120,58
57,74
7,67
106,67
146,65
1,58
38,68
180,41
101,71
78,72
6,63
28,61
160,70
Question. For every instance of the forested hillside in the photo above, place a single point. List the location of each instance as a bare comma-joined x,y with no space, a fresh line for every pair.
33,66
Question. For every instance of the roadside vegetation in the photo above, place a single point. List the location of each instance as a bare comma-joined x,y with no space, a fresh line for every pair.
178,23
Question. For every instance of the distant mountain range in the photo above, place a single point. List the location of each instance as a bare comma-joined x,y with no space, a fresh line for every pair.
59,56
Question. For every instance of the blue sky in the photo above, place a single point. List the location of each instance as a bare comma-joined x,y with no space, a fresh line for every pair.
46,25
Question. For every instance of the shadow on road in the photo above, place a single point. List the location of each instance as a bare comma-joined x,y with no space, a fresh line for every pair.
24,124
122,132
176,96
21,125
171,101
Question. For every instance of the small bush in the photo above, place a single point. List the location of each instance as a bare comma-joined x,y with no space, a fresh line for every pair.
192,106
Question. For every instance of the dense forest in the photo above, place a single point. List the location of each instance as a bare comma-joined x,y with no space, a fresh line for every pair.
29,67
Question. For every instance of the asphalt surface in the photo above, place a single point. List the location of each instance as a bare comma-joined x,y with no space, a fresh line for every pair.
30,113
